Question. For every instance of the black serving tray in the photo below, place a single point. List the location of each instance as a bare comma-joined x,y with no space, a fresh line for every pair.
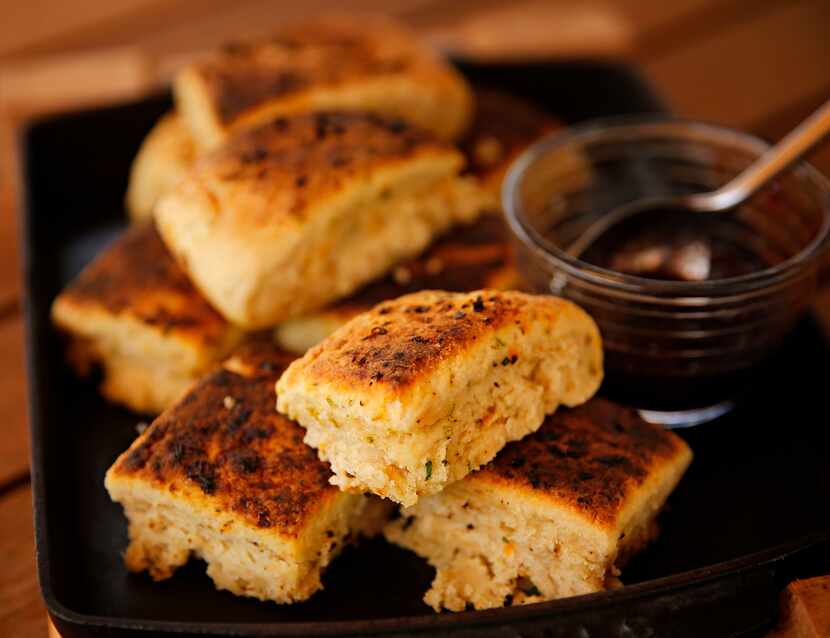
752,513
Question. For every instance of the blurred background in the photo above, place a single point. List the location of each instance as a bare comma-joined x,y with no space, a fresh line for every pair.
755,64
758,65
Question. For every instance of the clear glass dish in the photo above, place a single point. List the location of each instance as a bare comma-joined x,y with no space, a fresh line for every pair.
683,351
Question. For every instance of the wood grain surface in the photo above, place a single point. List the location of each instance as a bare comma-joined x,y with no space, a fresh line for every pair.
759,65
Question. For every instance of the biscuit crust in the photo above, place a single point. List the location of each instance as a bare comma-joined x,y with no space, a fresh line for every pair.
137,277
367,64
225,446
399,343
591,459
134,313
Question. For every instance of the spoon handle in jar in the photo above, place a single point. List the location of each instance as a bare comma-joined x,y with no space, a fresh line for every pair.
795,144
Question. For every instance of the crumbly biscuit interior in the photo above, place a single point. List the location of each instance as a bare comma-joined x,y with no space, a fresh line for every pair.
493,548
165,531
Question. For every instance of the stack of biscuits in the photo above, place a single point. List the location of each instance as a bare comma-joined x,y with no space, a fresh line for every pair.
318,299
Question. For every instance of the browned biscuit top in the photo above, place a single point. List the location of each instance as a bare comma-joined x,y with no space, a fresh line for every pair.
295,162
138,277
400,342
320,53
592,458
224,443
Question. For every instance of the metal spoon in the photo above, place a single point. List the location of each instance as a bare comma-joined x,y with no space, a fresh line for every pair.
729,196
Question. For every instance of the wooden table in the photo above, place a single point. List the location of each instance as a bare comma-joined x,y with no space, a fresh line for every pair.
759,65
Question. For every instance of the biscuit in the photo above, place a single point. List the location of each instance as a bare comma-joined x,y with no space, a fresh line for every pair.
415,394
556,514
133,313
366,64
291,216
222,477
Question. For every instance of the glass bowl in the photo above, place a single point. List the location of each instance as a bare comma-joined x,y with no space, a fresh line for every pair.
680,349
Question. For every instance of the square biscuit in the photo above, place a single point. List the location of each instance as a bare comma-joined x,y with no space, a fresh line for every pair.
164,157
413,395
556,514
344,63
469,257
133,313
291,216
221,476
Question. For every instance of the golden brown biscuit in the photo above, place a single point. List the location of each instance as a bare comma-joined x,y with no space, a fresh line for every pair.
165,155
303,211
470,257
223,477
366,64
415,394
134,313
555,514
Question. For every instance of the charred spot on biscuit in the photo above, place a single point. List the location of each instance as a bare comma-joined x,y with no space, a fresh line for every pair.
238,419
245,461
203,473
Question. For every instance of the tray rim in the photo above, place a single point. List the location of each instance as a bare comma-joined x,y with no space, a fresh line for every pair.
467,619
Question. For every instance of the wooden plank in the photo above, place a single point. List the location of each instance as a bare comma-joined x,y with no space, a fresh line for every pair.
180,26
165,27
533,31
523,30
255,18
738,75
72,80
652,16
22,613
598,30
658,26
29,25
672,26
9,271
14,442
122,25
97,23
